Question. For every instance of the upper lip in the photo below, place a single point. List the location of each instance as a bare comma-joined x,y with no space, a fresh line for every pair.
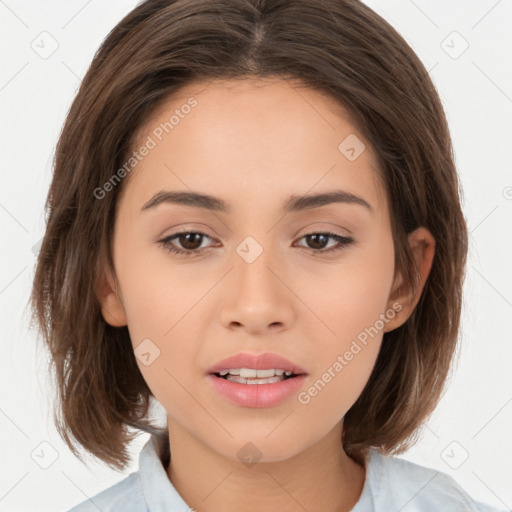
264,361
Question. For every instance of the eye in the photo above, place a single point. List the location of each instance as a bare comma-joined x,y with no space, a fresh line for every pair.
190,242
188,239
320,239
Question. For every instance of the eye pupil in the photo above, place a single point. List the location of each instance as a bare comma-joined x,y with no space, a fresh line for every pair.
315,237
188,244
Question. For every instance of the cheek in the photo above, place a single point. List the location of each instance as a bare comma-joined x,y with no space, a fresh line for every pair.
350,296
171,333
160,296
163,307
353,303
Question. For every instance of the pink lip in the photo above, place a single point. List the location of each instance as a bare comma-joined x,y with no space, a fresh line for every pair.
263,361
256,395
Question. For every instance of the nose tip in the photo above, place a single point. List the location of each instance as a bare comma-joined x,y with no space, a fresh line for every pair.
256,301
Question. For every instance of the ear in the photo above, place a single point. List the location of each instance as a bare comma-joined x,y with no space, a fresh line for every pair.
112,307
422,244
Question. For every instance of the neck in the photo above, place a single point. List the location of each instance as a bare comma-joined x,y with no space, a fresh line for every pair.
322,477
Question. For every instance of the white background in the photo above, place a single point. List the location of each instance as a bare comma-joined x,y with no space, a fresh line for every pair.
473,419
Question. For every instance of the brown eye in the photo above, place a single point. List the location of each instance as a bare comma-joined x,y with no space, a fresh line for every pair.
318,241
190,242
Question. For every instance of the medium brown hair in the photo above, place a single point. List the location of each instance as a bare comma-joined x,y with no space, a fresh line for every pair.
338,47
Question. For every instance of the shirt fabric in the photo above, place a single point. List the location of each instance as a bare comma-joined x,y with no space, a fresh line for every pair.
391,485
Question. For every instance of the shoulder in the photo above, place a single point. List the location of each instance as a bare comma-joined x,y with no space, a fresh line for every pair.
396,483
125,495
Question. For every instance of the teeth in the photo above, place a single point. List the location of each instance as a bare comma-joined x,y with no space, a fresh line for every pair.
241,380
248,373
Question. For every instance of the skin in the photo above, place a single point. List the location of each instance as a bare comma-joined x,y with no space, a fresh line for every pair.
254,143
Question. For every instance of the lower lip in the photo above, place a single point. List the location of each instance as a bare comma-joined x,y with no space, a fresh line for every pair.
256,395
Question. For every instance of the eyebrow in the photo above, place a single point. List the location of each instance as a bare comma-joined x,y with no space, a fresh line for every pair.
293,204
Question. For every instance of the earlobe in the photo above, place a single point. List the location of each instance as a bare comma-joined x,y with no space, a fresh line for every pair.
422,244
112,307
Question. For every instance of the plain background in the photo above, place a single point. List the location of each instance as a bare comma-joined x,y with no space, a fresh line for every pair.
468,437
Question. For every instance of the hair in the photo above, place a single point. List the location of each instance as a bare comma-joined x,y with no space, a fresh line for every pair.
337,47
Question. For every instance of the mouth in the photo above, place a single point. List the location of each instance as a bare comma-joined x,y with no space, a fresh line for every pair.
256,380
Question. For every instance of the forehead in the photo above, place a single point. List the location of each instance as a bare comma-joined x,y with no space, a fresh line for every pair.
268,136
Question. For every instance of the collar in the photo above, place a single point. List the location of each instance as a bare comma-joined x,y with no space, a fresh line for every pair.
161,496
159,493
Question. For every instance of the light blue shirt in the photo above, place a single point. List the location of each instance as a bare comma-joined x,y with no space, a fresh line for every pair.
391,485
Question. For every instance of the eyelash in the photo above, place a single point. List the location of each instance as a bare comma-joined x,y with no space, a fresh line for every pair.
342,242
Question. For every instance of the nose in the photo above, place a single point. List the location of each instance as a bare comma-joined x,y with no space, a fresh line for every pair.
256,296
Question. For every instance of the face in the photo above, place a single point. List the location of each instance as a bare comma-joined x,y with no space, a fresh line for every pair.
269,271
